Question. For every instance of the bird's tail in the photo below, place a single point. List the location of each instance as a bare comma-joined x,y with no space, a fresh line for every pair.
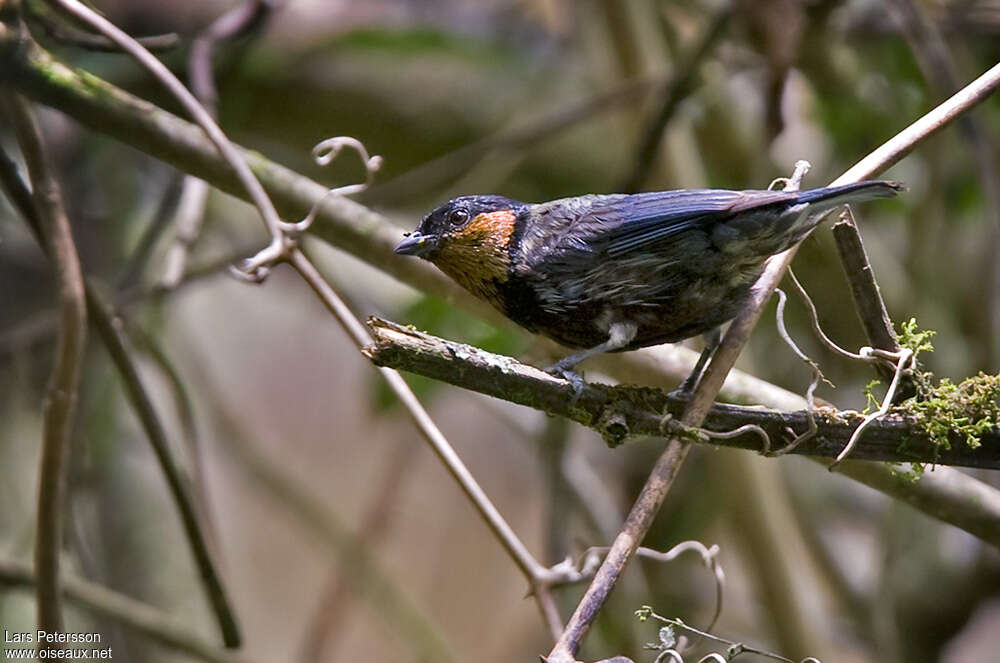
830,197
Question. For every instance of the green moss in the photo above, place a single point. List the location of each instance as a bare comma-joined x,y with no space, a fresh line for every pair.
944,409
917,340
941,409
968,409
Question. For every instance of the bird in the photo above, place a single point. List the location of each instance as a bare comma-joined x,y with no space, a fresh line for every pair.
615,272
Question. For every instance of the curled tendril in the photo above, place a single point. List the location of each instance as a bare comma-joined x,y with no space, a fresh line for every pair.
904,359
257,268
324,153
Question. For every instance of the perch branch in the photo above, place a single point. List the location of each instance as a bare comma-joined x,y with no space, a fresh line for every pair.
620,413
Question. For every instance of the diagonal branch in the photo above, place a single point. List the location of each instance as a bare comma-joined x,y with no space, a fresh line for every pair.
660,479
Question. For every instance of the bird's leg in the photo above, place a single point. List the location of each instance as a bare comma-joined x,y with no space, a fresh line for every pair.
620,334
712,340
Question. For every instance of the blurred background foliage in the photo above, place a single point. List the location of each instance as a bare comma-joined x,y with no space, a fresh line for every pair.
535,99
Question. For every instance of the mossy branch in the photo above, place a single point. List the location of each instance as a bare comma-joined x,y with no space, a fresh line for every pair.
619,413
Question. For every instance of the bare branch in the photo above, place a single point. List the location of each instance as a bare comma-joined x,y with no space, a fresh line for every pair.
867,296
57,240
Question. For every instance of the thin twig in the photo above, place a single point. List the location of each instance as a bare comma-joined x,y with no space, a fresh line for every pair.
865,292
194,192
905,357
61,397
810,391
590,559
734,648
814,318
156,625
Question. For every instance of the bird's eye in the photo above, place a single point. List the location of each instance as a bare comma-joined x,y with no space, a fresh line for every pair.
457,217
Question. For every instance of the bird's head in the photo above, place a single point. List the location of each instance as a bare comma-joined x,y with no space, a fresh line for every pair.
468,238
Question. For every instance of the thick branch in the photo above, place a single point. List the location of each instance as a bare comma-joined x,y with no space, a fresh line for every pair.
622,412
864,288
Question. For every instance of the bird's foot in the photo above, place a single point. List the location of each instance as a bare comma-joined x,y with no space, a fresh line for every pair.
566,372
684,391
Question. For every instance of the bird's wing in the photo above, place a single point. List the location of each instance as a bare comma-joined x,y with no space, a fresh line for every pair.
645,220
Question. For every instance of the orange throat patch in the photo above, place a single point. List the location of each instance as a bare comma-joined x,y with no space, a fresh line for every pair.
477,255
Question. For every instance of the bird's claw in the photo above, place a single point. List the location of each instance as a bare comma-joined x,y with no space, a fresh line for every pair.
686,388
567,373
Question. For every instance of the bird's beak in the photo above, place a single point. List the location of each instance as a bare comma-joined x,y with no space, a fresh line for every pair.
416,245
